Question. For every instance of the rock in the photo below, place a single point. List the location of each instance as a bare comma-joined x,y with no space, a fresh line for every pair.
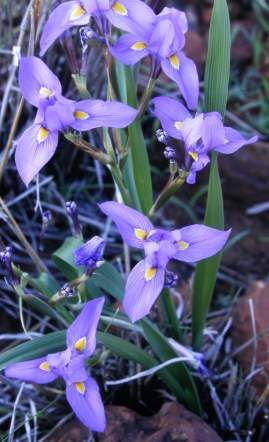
242,332
173,423
196,49
73,431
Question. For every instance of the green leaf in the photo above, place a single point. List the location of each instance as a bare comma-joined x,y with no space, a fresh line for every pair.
110,280
216,95
64,260
139,154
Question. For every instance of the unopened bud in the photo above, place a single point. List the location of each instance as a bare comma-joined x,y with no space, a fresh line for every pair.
67,291
162,136
170,153
170,279
72,211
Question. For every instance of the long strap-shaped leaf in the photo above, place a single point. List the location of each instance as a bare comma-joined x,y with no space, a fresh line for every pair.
216,95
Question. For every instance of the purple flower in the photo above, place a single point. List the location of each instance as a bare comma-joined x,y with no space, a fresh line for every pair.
90,254
163,39
57,114
123,14
82,391
201,134
148,277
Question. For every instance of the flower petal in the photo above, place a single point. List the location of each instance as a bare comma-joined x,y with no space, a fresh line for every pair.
132,225
171,114
162,39
62,18
185,76
213,133
140,293
37,371
60,115
200,242
31,155
178,18
37,82
90,114
129,49
88,406
132,16
234,141
81,335
192,130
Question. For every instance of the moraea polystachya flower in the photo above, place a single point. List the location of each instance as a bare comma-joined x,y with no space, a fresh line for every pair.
202,134
90,255
148,277
82,391
57,114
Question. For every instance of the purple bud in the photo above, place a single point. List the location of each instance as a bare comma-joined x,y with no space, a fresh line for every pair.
46,219
6,255
90,255
72,211
162,136
170,279
67,291
87,34
170,153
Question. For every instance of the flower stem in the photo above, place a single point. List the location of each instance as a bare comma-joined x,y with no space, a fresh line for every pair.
86,147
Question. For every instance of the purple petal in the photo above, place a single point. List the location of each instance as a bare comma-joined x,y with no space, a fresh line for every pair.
192,130
90,114
37,371
178,18
197,166
37,81
200,242
162,39
141,294
60,115
31,155
61,19
171,114
132,16
81,335
76,370
185,76
234,141
88,407
124,50
213,133
132,225
90,253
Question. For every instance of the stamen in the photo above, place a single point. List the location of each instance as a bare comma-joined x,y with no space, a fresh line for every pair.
77,12
178,124
174,60
45,92
44,366
183,245
194,155
141,234
42,134
150,273
139,46
119,8
81,115
80,345
80,386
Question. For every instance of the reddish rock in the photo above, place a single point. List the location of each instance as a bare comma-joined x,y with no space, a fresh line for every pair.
243,331
73,431
196,49
173,423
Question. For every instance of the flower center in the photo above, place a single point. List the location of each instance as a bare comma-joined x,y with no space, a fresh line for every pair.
141,234
80,386
194,155
139,46
174,60
183,245
42,134
150,273
119,8
45,92
44,366
80,345
80,115
77,12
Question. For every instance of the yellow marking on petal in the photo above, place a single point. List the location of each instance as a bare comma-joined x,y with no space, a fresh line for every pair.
42,134
119,8
178,124
139,46
150,273
80,386
45,92
183,245
174,60
141,234
77,12
194,155
44,366
80,345
81,115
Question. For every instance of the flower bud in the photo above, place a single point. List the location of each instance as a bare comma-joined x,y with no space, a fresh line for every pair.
72,211
162,136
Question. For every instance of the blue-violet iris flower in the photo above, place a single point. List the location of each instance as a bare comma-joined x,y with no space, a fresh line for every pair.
90,255
55,114
202,134
82,391
147,279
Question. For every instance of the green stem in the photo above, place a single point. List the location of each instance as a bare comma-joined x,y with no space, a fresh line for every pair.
86,147
168,307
